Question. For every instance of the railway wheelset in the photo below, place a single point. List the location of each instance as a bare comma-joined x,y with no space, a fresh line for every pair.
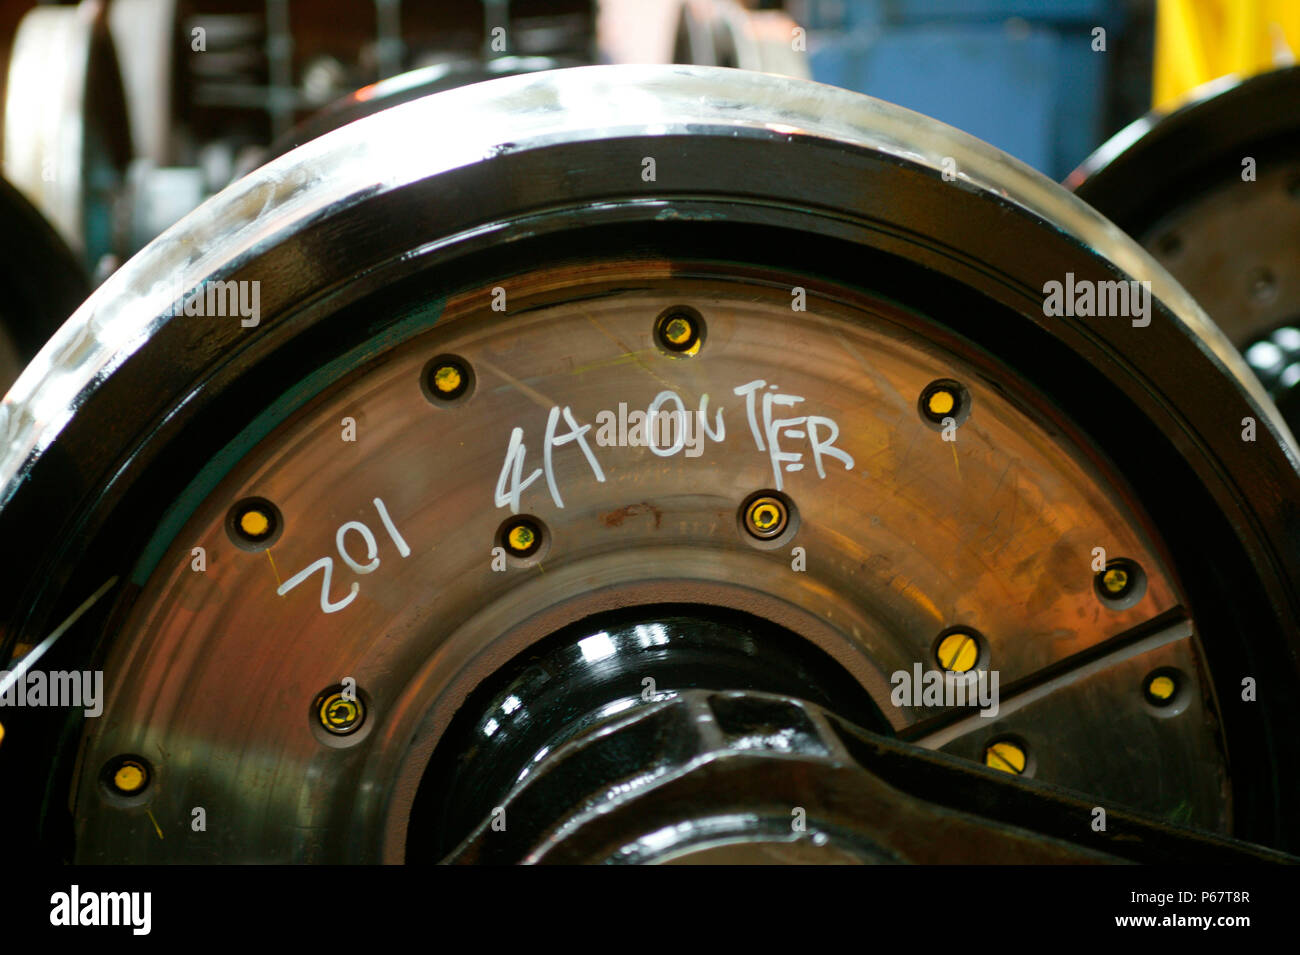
629,464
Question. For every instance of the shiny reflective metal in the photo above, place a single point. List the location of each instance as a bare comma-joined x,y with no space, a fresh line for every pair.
380,246
399,89
757,778
575,681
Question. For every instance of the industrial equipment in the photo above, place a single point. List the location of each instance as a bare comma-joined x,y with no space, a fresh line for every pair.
1212,191
604,464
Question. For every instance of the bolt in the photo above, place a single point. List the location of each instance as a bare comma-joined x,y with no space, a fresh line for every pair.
943,399
1121,580
766,517
127,775
1006,757
448,378
340,715
130,778
941,402
253,523
1263,285
680,332
522,537
1161,688
1115,581
958,651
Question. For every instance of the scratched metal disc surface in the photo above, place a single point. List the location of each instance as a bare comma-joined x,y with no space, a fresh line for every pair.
905,535
836,273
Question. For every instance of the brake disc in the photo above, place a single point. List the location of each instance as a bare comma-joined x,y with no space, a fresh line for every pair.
342,538
1212,191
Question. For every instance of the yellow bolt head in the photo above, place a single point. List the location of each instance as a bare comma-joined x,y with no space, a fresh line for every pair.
1115,580
678,331
254,523
941,402
958,652
1005,757
681,334
766,517
520,538
447,378
1161,687
338,714
129,778
341,712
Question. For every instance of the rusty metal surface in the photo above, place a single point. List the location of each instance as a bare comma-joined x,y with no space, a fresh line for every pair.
994,530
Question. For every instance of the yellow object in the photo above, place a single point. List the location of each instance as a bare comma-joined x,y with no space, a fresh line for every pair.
254,523
340,712
1006,757
2,732
941,402
958,652
1162,687
129,777
766,516
447,379
1114,580
678,331
520,538
1201,40
337,713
